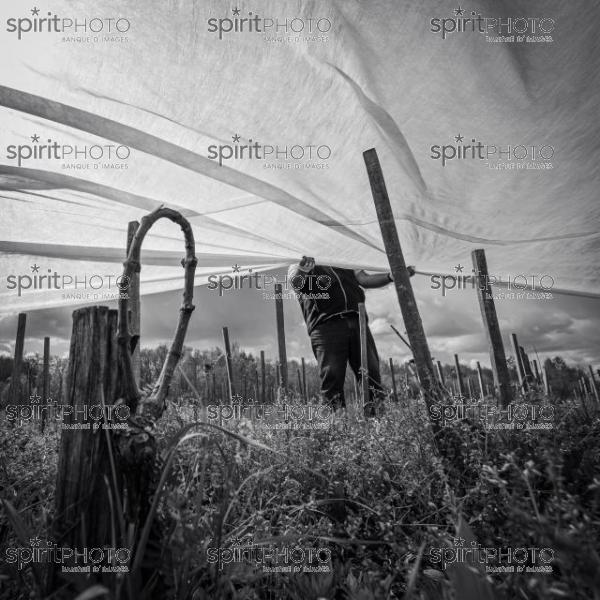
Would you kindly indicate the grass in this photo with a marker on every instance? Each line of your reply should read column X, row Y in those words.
column 371, row 494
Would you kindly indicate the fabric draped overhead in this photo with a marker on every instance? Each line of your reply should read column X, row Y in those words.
column 100, row 128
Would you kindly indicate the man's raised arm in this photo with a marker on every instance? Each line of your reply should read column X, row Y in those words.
column 377, row 280
column 306, row 265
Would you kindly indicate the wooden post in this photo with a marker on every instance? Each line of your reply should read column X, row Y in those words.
column 395, row 391
column 440, row 373
column 134, row 306
column 304, row 388
column 281, row 335
column 593, row 384
column 263, row 380
column 45, row 380
column 228, row 364
column 404, row 291
column 536, row 371
column 257, row 397
column 60, row 386
column 526, row 364
column 28, row 365
column 299, row 382
column 15, row 391
column 469, row 387
column 84, row 483
column 518, row 361
column 368, row 404
column 546, row 382
column 492, row 328
column 480, row 378
column 459, row 379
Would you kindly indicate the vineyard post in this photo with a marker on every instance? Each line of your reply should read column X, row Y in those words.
column 134, row 305
column 440, row 373
column 263, row 380
column 368, row 404
column 546, row 382
column 526, row 364
column 229, row 366
column 81, row 515
column 459, row 379
column 304, row 387
column 518, row 361
column 492, row 328
column 404, row 291
column 16, row 392
column 594, row 384
column 586, row 386
column 480, row 379
column 393, row 380
column 536, row 370
column 45, row 380
column 281, row 335
column 470, row 387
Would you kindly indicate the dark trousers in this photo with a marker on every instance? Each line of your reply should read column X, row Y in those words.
column 336, row 343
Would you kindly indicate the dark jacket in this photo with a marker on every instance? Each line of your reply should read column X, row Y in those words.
column 342, row 287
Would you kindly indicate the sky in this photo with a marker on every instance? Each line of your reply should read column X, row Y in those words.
column 563, row 325
column 134, row 128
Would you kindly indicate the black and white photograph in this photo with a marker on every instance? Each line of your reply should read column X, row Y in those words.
column 299, row 300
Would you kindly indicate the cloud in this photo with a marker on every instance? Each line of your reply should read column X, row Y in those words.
column 565, row 326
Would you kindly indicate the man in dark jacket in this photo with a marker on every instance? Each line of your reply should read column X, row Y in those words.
column 333, row 326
